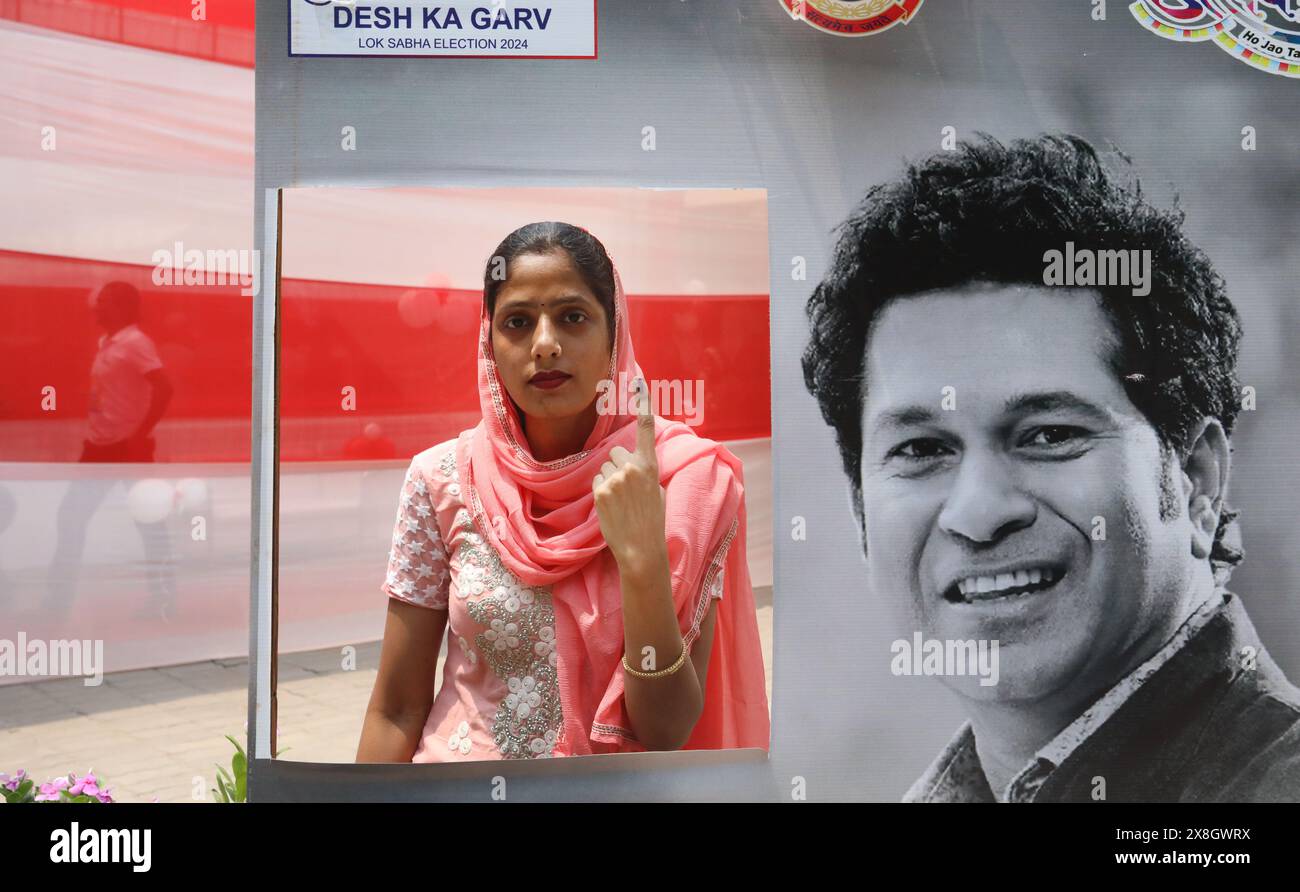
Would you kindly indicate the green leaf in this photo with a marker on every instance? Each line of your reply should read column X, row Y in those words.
column 240, row 765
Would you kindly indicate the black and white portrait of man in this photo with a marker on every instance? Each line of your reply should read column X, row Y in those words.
column 1037, row 442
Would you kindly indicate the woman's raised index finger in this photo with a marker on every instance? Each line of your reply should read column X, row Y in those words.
column 645, row 434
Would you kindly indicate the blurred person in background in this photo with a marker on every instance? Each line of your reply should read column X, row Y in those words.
column 129, row 393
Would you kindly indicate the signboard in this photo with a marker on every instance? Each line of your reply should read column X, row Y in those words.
column 534, row 29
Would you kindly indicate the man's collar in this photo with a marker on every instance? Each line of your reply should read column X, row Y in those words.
column 957, row 775
column 1087, row 724
column 125, row 329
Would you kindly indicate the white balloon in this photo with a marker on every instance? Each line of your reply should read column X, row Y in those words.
column 418, row 308
column 191, row 496
column 436, row 303
column 150, row 500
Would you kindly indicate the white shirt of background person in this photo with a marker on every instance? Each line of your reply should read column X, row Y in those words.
column 120, row 394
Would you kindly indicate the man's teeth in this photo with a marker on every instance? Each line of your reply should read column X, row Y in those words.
column 1002, row 581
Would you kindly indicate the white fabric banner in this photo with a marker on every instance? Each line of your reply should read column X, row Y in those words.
column 120, row 152
column 113, row 151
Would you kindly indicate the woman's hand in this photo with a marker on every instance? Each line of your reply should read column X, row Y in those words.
column 629, row 499
column 663, row 710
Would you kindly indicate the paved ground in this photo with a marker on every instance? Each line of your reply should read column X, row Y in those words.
column 160, row 732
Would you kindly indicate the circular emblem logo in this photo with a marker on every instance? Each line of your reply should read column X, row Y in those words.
column 1262, row 33
column 853, row 18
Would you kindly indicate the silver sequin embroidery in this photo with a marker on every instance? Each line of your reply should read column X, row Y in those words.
column 518, row 641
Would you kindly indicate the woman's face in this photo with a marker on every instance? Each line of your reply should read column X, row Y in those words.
column 550, row 337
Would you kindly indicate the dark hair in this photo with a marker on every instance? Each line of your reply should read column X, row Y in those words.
column 989, row 212
column 583, row 248
column 122, row 294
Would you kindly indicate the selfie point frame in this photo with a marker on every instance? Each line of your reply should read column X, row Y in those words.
column 727, row 774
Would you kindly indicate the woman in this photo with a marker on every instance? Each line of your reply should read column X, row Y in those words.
column 591, row 564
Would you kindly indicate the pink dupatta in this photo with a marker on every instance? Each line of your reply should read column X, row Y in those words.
column 546, row 532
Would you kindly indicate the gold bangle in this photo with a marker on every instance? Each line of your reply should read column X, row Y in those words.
column 681, row 661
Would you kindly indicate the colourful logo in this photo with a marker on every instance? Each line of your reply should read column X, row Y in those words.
column 853, row 18
column 1263, row 33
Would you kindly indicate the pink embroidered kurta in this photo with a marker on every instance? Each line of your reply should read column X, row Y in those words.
column 499, row 697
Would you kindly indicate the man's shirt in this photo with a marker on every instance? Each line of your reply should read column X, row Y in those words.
column 1209, row 717
column 120, row 394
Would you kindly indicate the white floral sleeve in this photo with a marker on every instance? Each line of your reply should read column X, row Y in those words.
column 417, row 562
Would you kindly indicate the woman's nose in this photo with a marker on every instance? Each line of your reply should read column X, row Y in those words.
column 546, row 341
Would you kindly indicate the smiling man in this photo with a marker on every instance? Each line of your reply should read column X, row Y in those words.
column 1046, row 468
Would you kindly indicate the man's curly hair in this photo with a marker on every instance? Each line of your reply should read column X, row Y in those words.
column 988, row 212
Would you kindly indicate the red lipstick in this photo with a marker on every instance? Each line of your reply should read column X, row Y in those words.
column 549, row 380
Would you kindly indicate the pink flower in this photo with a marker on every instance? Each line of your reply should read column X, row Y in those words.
column 12, row 783
column 50, row 790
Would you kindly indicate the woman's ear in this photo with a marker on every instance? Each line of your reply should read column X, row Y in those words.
column 1205, row 476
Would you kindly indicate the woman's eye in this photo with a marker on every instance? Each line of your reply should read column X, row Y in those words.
column 919, row 449
column 510, row 323
column 575, row 316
